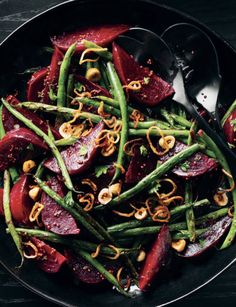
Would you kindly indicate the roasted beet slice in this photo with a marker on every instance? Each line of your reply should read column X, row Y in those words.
column 1, row 202
column 156, row 258
column 79, row 156
column 14, row 143
column 51, row 79
column 196, row 165
column 153, row 90
column 209, row 239
column 84, row 271
column 140, row 166
column 36, row 84
column 49, row 259
column 10, row 122
column 101, row 35
column 229, row 128
column 20, row 202
column 91, row 87
column 54, row 217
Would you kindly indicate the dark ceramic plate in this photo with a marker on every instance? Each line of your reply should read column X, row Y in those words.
column 22, row 50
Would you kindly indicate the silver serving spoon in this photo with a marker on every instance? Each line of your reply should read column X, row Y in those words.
column 144, row 44
column 197, row 57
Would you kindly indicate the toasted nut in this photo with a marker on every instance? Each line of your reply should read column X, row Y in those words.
column 141, row 213
column 93, row 74
column 179, row 245
column 168, row 140
column 141, row 256
column 28, row 166
column 115, row 189
column 34, row 193
column 104, row 196
column 221, row 199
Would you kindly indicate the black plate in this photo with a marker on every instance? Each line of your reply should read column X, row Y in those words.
column 20, row 51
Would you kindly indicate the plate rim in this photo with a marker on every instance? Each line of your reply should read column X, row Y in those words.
column 157, row 4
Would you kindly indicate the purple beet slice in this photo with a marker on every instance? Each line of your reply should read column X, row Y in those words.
column 92, row 87
column 14, row 143
column 36, row 84
column 52, row 76
column 10, row 122
column 20, row 202
column 208, row 239
column 229, row 128
column 101, row 35
column 153, row 90
column 84, row 271
column 49, row 259
column 198, row 164
column 54, row 217
column 140, row 166
column 79, row 156
column 156, row 258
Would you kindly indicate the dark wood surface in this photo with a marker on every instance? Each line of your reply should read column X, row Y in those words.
column 220, row 16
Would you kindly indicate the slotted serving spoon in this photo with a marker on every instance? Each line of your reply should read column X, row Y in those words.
column 197, row 57
column 144, row 44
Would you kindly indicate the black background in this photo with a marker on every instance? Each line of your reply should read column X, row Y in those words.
column 220, row 16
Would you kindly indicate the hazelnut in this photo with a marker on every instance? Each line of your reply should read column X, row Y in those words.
column 28, row 166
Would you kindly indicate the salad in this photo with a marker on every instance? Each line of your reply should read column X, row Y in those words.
column 103, row 174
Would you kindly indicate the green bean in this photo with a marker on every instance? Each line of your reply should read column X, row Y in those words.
column 119, row 95
column 167, row 116
column 107, row 108
column 173, row 212
column 143, row 132
column 212, row 216
column 8, row 217
column 185, row 234
column 190, row 219
column 38, row 106
column 228, row 112
column 181, row 120
column 63, row 75
column 70, row 88
column 154, row 175
column 192, row 132
column 43, row 135
column 52, row 237
column 102, row 52
column 104, row 76
column 224, row 164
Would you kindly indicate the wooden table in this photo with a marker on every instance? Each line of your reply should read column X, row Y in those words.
column 219, row 16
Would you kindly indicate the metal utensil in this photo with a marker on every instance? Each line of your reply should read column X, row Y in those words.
column 197, row 56
column 143, row 44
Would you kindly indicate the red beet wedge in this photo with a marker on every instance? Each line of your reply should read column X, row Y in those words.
column 35, row 85
column 101, row 35
column 54, row 217
column 153, row 89
column 84, row 271
column 156, row 258
column 14, row 143
column 196, row 165
column 91, row 87
column 209, row 239
column 79, row 156
column 20, row 202
column 10, row 122
column 140, row 165
column 49, row 259
column 52, row 76
column 229, row 128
